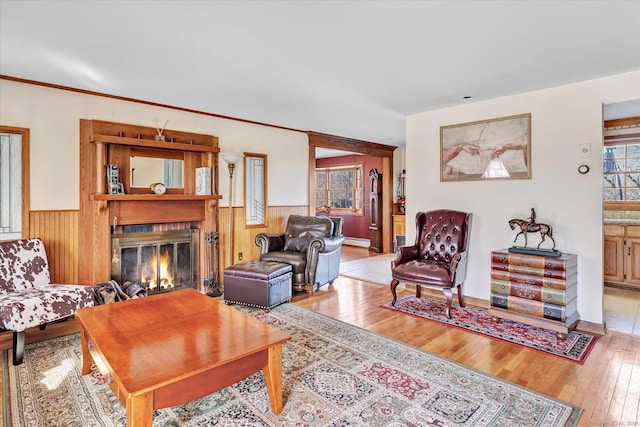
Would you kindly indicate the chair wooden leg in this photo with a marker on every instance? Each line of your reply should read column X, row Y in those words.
column 460, row 299
column 418, row 291
column 449, row 295
column 394, row 285
column 18, row 347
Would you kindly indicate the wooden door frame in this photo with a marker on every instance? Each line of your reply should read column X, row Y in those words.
column 321, row 140
column 26, row 193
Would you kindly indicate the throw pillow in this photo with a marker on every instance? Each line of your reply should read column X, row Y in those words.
column 300, row 243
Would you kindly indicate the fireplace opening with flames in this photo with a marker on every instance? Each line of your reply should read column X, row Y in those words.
column 159, row 261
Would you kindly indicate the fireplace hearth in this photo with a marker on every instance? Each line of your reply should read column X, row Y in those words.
column 160, row 261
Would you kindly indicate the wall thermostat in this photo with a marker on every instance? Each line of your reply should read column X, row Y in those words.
column 583, row 169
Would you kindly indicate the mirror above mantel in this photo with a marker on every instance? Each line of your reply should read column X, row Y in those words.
column 147, row 166
column 145, row 171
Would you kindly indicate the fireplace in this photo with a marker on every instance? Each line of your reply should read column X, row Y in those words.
column 160, row 261
column 102, row 215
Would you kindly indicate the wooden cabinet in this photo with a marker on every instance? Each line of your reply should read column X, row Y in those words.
column 399, row 225
column 613, row 253
column 535, row 290
column 622, row 255
column 632, row 255
column 399, row 228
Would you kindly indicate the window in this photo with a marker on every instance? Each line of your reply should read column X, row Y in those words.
column 255, row 188
column 340, row 188
column 621, row 166
column 11, row 185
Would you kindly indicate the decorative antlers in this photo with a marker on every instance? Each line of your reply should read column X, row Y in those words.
column 160, row 136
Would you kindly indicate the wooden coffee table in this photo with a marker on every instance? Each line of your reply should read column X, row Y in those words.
column 168, row 349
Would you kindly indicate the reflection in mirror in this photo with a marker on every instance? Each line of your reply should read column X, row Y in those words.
column 255, row 188
column 149, row 170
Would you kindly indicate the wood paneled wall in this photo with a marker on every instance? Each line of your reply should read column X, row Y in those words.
column 59, row 232
column 58, row 229
column 244, row 238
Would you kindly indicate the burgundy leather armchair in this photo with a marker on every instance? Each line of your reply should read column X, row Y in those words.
column 438, row 259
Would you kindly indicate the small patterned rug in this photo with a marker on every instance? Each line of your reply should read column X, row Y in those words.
column 576, row 347
column 334, row 374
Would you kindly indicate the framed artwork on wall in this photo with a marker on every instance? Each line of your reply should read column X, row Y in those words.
column 487, row 149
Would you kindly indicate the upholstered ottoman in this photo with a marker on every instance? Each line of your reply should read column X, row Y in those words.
column 263, row 284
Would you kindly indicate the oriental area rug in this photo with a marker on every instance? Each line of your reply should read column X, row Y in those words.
column 334, row 374
column 576, row 347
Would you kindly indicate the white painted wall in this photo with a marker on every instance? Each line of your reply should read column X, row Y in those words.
column 53, row 117
column 562, row 118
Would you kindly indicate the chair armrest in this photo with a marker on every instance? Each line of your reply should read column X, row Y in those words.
column 458, row 267
column 404, row 255
column 325, row 244
column 321, row 248
column 321, row 245
column 270, row 242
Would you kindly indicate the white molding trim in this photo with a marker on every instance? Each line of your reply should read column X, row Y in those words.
column 355, row 241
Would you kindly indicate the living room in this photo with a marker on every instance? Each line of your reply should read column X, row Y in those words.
column 576, row 214
column 564, row 117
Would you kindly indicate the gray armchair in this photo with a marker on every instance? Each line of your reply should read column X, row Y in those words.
column 311, row 245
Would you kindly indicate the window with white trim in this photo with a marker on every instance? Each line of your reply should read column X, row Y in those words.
column 340, row 188
column 621, row 167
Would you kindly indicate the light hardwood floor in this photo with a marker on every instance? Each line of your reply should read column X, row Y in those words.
column 622, row 310
column 607, row 386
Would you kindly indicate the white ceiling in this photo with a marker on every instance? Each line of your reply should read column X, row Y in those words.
column 347, row 68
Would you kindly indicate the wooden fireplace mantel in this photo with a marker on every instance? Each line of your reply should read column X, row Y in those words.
column 103, row 143
column 103, row 199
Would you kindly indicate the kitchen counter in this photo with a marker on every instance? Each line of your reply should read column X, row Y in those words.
column 622, row 221
column 627, row 217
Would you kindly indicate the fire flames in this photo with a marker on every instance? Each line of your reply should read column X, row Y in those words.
column 165, row 279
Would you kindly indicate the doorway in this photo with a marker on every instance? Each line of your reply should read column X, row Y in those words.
column 385, row 152
column 621, row 214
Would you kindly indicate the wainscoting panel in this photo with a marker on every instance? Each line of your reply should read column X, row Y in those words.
column 59, row 232
column 244, row 238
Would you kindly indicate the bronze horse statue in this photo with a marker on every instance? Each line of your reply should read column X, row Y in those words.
column 532, row 227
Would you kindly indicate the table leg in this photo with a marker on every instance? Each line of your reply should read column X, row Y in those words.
column 140, row 410
column 273, row 377
column 86, row 359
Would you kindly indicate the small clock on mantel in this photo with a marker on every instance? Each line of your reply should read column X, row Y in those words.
column 158, row 188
